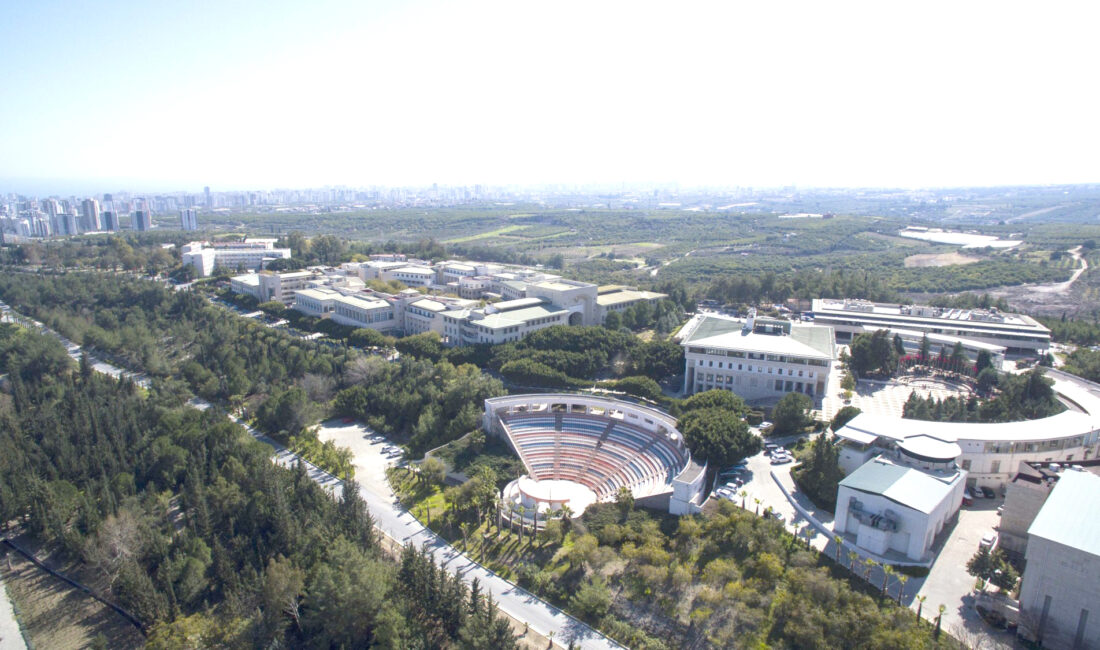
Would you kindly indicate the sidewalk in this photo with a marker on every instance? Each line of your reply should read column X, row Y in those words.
column 11, row 638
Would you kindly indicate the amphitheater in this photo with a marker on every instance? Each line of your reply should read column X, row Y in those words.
column 580, row 450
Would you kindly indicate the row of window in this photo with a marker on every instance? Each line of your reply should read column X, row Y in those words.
column 730, row 381
column 759, row 369
column 758, row 356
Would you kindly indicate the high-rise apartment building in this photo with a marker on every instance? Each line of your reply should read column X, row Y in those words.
column 189, row 219
column 110, row 219
column 90, row 211
column 142, row 221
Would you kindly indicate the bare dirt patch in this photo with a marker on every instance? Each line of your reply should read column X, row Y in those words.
column 938, row 259
column 55, row 614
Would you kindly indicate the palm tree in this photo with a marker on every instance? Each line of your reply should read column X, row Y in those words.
column 744, row 496
column 920, row 606
column 522, row 511
column 757, row 507
column 887, row 571
column 869, row 565
column 902, row 579
column 939, row 620
column 852, row 557
column 837, row 539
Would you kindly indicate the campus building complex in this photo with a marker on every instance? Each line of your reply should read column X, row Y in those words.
column 1017, row 333
column 760, row 359
column 990, row 451
column 248, row 254
column 521, row 300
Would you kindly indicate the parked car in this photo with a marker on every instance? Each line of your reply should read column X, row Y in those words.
column 781, row 459
column 989, row 540
column 968, row 498
column 988, row 492
column 778, row 516
column 765, row 425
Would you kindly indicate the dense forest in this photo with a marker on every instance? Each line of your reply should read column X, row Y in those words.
column 188, row 524
column 285, row 383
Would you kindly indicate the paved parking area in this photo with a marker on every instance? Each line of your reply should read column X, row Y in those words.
column 370, row 463
column 949, row 584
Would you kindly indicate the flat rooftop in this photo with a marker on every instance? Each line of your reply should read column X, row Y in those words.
column 518, row 316
column 318, row 293
column 964, row 317
column 362, row 303
column 249, row 278
column 866, row 427
column 806, row 341
column 621, row 295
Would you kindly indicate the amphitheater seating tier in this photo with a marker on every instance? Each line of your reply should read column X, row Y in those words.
column 588, row 451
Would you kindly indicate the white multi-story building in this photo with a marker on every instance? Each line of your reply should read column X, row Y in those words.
column 364, row 312
column 412, row 276
column 247, row 284
column 759, row 359
column 318, row 302
column 249, row 254
column 578, row 298
column 281, row 286
column 1060, row 594
column 990, row 451
column 1017, row 333
column 502, row 322
column 424, row 315
column 615, row 297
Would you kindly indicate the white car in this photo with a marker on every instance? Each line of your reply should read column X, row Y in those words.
column 781, row 459
column 989, row 540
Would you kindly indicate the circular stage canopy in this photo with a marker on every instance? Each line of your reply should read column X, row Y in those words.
column 551, row 494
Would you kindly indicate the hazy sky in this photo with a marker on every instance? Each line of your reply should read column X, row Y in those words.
column 177, row 95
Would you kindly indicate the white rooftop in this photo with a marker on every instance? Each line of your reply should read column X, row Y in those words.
column 1071, row 514
column 1055, row 427
column 912, row 488
column 362, row 303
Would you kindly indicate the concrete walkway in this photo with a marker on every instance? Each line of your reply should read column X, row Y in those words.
column 11, row 638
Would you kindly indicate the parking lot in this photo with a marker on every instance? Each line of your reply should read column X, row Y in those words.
column 949, row 584
column 370, row 457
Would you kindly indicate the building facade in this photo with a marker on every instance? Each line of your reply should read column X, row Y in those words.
column 362, row 312
column 1017, row 333
column 892, row 507
column 759, row 359
column 1060, row 593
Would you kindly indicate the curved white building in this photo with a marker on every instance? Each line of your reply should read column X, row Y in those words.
column 989, row 452
column 581, row 449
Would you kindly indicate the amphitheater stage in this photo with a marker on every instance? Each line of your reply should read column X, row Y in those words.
column 551, row 494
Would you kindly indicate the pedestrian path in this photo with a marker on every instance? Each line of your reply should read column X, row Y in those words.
column 11, row 638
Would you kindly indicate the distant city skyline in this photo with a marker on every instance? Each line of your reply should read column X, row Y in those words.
column 240, row 96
